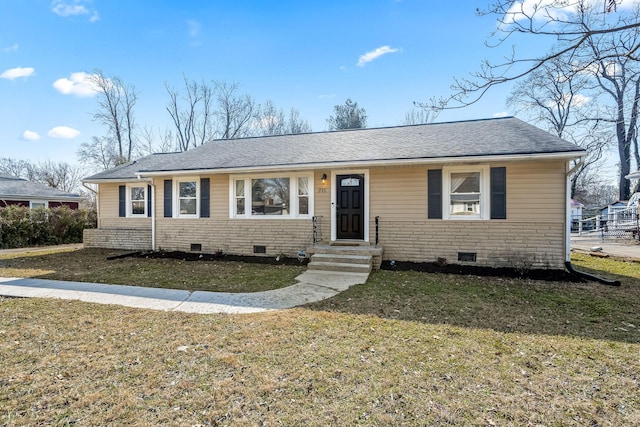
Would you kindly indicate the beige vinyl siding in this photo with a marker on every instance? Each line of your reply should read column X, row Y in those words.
column 322, row 194
column 398, row 193
column 536, row 191
column 531, row 236
column 109, row 208
column 108, row 200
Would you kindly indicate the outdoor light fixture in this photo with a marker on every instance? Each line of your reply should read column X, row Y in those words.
column 324, row 178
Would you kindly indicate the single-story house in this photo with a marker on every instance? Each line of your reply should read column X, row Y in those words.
column 486, row 192
column 20, row 192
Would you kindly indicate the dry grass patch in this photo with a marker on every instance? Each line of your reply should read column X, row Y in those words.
column 406, row 348
column 91, row 265
column 67, row 362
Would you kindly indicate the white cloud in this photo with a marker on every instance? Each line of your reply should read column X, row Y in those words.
column 375, row 54
column 13, row 48
column 74, row 8
column 79, row 84
column 29, row 135
column 15, row 73
column 63, row 132
column 194, row 28
column 501, row 114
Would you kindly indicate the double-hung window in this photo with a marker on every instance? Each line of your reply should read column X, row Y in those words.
column 137, row 200
column 187, row 200
column 303, row 195
column 272, row 196
column 466, row 192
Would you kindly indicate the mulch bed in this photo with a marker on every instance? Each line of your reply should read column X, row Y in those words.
column 552, row 275
column 195, row 256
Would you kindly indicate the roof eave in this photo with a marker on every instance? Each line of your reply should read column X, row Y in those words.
column 565, row 155
column 142, row 174
column 47, row 198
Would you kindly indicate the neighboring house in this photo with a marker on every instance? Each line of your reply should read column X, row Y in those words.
column 612, row 207
column 576, row 214
column 487, row 192
column 20, row 192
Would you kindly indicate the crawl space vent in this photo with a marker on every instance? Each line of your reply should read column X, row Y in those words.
column 196, row 247
column 258, row 249
column 467, row 256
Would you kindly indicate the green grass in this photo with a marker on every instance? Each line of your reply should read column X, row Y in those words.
column 91, row 265
column 405, row 348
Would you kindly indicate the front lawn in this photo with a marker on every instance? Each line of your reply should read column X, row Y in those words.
column 405, row 348
column 91, row 265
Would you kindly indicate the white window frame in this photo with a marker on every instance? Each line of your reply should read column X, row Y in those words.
column 130, row 201
column 45, row 202
column 293, row 195
column 485, row 196
column 176, row 198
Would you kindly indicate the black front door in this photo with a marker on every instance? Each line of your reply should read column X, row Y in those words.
column 350, row 207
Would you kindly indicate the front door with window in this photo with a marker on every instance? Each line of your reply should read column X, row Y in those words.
column 350, row 206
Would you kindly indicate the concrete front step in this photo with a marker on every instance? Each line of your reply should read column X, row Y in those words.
column 347, row 250
column 342, row 258
column 339, row 266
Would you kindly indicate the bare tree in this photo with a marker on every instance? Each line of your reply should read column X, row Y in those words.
column 347, row 116
column 100, row 152
column 17, row 168
column 557, row 99
column 191, row 113
column 234, row 112
column 271, row 120
column 617, row 76
column 419, row 116
column 297, row 124
column 151, row 141
column 60, row 175
column 116, row 101
column 569, row 24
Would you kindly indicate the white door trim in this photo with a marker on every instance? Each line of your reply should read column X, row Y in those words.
column 334, row 223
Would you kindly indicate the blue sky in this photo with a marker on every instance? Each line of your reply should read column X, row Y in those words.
column 310, row 55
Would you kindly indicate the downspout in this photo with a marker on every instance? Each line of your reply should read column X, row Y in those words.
column 567, row 231
column 153, row 216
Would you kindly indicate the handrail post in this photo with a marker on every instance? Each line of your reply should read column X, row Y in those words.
column 377, row 229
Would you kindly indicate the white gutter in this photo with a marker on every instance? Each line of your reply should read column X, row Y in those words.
column 153, row 216
column 567, row 215
column 364, row 163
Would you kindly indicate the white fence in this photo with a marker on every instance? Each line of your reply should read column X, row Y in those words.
column 621, row 222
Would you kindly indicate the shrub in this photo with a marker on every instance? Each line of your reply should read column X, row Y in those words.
column 22, row 227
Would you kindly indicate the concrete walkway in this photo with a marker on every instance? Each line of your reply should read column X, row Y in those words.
column 312, row 286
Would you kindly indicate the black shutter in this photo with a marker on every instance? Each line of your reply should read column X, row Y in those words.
column 434, row 188
column 499, row 193
column 204, row 198
column 168, row 201
column 149, row 202
column 122, row 201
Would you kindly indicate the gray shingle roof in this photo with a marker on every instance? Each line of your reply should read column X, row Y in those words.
column 479, row 138
column 128, row 171
column 12, row 188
